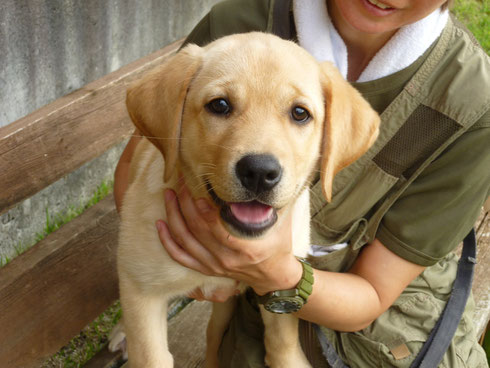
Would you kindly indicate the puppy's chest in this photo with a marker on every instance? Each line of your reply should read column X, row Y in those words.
column 301, row 225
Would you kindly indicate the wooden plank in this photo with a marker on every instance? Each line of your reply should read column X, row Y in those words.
column 486, row 206
column 49, row 293
column 105, row 359
column 44, row 146
column 481, row 282
column 187, row 335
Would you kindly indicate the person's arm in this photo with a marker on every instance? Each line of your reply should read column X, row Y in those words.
column 342, row 301
column 352, row 301
column 121, row 175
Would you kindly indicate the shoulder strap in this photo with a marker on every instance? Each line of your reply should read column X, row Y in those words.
column 442, row 334
column 328, row 351
column 282, row 24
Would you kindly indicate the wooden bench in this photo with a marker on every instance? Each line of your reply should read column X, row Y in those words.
column 49, row 293
column 52, row 291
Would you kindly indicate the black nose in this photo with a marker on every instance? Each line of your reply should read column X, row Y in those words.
column 258, row 173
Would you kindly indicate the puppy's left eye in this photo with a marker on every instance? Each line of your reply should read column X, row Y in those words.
column 219, row 106
column 300, row 114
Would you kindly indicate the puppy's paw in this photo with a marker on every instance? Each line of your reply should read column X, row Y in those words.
column 117, row 340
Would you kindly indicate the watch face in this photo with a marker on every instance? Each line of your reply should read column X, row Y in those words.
column 283, row 306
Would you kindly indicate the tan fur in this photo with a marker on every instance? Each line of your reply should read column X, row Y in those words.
column 264, row 78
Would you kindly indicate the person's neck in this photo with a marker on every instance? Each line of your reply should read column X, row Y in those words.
column 360, row 53
column 361, row 47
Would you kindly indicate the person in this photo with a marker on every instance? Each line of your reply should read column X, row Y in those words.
column 382, row 249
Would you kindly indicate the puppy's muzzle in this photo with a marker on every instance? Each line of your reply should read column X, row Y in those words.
column 258, row 173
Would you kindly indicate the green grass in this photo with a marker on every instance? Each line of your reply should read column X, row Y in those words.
column 475, row 14
column 56, row 220
column 88, row 343
column 19, row 249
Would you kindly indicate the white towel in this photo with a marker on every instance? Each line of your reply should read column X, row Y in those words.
column 318, row 36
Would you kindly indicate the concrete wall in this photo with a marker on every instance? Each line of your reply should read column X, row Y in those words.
column 52, row 47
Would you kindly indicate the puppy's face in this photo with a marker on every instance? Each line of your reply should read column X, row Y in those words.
column 247, row 119
column 251, row 129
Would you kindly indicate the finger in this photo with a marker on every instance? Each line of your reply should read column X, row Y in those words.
column 192, row 215
column 181, row 235
column 198, row 211
column 175, row 220
column 176, row 252
column 222, row 295
column 197, row 294
column 203, row 222
column 208, row 212
column 217, row 296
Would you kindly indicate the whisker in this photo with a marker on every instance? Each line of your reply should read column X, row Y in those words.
column 150, row 137
column 314, row 194
column 208, row 165
column 204, row 175
column 229, row 148
column 319, row 171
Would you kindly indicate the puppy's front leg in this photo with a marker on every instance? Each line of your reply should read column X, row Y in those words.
column 282, row 346
column 220, row 318
column 146, row 330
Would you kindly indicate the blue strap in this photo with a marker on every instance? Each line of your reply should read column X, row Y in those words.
column 333, row 359
column 442, row 334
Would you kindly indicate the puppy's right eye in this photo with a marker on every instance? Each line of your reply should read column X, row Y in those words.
column 219, row 106
column 300, row 115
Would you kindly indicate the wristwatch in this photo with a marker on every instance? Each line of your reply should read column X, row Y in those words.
column 292, row 300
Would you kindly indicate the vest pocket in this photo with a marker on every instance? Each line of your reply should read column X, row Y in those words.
column 345, row 218
column 354, row 197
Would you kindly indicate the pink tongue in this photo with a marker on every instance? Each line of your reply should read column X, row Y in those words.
column 251, row 212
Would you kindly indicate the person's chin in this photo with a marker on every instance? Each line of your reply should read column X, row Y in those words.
column 365, row 20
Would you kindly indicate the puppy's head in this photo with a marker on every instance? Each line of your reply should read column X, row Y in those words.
column 247, row 120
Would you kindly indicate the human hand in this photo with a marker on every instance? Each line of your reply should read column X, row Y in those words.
column 195, row 237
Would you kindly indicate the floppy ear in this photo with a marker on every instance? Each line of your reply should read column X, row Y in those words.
column 350, row 126
column 156, row 102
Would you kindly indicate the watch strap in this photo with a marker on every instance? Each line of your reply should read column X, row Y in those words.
column 305, row 285
column 303, row 289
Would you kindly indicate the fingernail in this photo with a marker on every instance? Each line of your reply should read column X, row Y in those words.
column 160, row 225
column 203, row 206
column 169, row 195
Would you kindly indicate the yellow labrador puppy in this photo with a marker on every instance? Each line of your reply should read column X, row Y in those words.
column 247, row 120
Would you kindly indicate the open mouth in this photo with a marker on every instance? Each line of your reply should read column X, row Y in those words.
column 250, row 218
column 379, row 4
column 378, row 8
